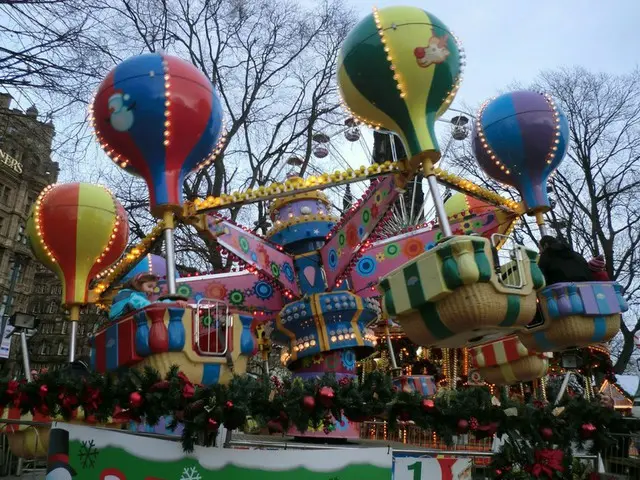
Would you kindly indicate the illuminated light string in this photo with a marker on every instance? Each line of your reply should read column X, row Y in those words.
column 556, row 140
column 38, row 222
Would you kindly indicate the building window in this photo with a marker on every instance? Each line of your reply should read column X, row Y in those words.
column 53, row 307
column 44, row 349
column 5, row 194
column 63, row 330
column 35, row 307
column 1, row 225
column 30, row 202
column 21, row 237
column 57, row 290
column 41, row 289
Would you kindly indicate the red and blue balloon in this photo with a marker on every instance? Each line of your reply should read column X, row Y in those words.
column 158, row 117
column 519, row 139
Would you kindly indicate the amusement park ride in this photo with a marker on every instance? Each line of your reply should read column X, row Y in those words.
column 315, row 283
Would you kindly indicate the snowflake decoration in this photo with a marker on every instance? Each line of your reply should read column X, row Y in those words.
column 88, row 453
column 190, row 473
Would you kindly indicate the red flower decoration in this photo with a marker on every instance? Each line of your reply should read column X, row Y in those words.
column 216, row 290
column 352, row 236
column 375, row 210
column 547, row 462
column 413, row 247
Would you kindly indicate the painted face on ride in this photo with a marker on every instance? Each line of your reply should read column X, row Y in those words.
column 399, row 69
column 158, row 117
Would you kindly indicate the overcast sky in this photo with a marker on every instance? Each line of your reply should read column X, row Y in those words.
column 513, row 40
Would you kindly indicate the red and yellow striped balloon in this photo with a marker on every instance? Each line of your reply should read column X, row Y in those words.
column 399, row 69
column 77, row 230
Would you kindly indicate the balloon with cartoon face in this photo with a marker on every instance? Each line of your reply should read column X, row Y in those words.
column 158, row 117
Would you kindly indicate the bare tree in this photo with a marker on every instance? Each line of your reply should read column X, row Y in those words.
column 596, row 188
column 273, row 64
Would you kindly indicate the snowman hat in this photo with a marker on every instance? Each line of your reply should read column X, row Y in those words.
column 59, row 451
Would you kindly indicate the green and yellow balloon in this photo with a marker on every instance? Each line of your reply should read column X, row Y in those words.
column 399, row 69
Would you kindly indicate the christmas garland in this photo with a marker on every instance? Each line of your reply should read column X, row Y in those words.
column 539, row 435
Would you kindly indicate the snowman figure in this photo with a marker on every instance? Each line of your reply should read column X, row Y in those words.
column 121, row 117
column 58, row 467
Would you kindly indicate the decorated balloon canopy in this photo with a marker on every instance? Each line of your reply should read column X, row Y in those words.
column 459, row 205
column 399, row 69
column 519, row 139
column 150, row 263
column 77, row 230
column 158, row 117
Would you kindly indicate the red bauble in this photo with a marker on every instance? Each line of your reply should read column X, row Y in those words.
column 326, row 396
column 229, row 405
column 473, row 423
column 463, row 426
column 44, row 390
column 135, row 400
column 308, row 403
column 212, row 425
column 428, row 405
column 546, row 433
column 274, row 426
column 587, row 430
column 43, row 409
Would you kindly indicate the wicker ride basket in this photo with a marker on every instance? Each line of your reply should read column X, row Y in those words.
column 576, row 315
column 451, row 295
column 522, row 370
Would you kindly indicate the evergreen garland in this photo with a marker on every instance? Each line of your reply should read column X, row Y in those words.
column 531, row 428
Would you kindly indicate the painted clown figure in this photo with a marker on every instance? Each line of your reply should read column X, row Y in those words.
column 58, row 467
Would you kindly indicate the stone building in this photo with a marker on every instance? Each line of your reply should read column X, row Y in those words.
column 25, row 285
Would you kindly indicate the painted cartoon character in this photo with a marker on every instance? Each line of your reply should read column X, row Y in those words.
column 436, row 52
column 121, row 117
column 58, row 467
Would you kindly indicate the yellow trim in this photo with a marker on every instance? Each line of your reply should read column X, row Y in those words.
column 354, row 322
column 321, row 325
column 281, row 328
column 281, row 202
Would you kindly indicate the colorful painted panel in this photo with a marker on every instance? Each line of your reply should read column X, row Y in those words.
column 255, row 251
column 242, row 291
column 86, row 453
column 391, row 253
column 347, row 237
column 587, row 298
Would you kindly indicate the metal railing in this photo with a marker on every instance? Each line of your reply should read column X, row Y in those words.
column 212, row 325
column 510, row 264
column 623, row 457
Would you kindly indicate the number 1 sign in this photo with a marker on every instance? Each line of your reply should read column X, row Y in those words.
column 429, row 468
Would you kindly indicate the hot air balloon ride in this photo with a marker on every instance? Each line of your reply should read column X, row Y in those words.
column 519, row 139
column 159, row 117
column 77, row 230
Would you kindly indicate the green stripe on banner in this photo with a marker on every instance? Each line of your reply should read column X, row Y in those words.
column 450, row 271
column 431, row 319
column 513, row 310
column 484, row 266
column 536, row 274
column 414, row 285
column 389, row 304
column 364, row 62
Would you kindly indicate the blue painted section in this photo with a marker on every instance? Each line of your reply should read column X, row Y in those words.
column 111, row 347
column 147, row 132
column 176, row 330
column 302, row 231
column 577, row 306
column 601, row 299
column 599, row 329
column 211, row 373
column 248, row 344
column 142, row 334
column 552, row 305
column 318, row 282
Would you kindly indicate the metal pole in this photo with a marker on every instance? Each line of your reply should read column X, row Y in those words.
column 74, row 317
column 542, row 226
column 25, row 355
column 171, row 254
column 392, row 354
column 443, row 220
column 563, row 387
